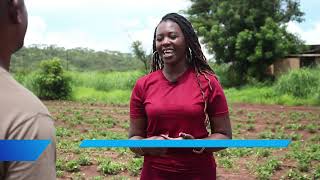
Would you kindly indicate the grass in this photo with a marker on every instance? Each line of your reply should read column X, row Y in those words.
column 266, row 95
column 109, row 97
column 116, row 87
column 105, row 81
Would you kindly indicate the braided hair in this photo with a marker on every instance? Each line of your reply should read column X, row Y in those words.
column 195, row 55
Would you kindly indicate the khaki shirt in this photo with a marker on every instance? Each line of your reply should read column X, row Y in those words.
column 23, row 116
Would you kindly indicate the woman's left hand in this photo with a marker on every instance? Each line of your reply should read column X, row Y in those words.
column 182, row 136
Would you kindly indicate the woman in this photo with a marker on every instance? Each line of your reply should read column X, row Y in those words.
column 177, row 100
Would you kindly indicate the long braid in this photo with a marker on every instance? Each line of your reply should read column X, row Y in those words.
column 197, row 58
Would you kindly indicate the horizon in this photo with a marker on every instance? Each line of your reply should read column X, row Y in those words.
column 89, row 27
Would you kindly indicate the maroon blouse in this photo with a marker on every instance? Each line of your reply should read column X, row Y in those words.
column 174, row 107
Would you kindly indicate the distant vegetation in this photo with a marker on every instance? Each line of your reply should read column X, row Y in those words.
column 78, row 59
column 299, row 87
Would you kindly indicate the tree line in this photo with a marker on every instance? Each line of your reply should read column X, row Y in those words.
column 77, row 59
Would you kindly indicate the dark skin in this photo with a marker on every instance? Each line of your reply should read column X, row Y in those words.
column 13, row 26
column 172, row 48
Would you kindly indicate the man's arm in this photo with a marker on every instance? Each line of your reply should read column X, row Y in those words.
column 38, row 127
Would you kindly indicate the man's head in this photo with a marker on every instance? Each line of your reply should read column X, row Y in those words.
column 13, row 26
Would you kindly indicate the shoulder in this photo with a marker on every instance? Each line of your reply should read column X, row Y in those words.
column 207, row 77
column 27, row 126
column 16, row 97
column 20, row 110
column 148, row 79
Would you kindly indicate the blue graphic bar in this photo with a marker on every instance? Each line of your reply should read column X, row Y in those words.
column 260, row 143
column 22, row 150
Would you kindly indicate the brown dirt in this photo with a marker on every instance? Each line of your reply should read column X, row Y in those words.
column 262, row 117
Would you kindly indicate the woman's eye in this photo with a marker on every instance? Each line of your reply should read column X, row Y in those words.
column 159, row 39
column 173, row 36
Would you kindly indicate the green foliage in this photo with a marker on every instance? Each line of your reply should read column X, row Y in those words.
column 110, row 167
column 84, row 160
column 227, row 75
column 250, row 34
column 105, row 81
column 118, row 97
column 72, row 166
column 225, row 162
column 141, row 54
column 135, row 166
column 265, row 171
column 296, row 175
column 50, row 82
column 299, row 83
column 77, row 59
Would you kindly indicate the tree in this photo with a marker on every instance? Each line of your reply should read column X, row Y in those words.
column 141, row 54
column 248, row 34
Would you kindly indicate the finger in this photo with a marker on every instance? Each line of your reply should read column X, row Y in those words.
column 165, row 136
column 186, row 136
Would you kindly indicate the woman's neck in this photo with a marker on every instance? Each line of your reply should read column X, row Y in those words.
column 173, row 71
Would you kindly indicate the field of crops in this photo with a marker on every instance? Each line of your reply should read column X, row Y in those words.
column 77, row 121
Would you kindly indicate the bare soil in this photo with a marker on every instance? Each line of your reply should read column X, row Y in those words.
column 249, row 121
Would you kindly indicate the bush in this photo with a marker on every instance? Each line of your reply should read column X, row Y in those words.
column 227, row 75
column 299, row 83
column 50, row 83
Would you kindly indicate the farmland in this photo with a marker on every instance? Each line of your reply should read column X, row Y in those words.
column 76, row 121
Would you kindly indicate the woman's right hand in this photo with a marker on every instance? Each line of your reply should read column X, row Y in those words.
column 154, row 151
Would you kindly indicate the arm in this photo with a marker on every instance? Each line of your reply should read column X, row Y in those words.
column 39, row 126
column 137, row 131
column 218, row 115
column 220, row 129
column 138, row 122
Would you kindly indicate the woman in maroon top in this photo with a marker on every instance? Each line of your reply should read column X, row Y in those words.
column 177, row 100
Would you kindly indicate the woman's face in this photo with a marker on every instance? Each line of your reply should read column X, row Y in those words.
column 170, row 42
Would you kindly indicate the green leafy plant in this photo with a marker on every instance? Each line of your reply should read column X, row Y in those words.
column 50, row 82
column 135, row 166
column 72, row 166
column 110, row 167
column 84, row 160
column 299, row 83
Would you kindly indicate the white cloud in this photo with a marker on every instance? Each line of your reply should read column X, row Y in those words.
column 36, row 30
column 310, row 35
column 97, row 24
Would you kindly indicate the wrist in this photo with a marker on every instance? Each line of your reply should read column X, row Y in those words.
column 140, row 151
column 198, row 150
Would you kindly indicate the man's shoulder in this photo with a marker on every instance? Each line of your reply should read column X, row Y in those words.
column 19, row 108
column 15, row 96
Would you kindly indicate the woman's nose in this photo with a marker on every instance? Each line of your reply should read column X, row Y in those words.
column 166, row 41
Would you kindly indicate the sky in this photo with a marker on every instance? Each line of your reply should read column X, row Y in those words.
column 115, row 24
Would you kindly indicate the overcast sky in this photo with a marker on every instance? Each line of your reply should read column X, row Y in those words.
column 115, row 24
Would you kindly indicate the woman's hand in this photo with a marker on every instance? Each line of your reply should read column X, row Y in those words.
column 182, row 136
column 154, row 151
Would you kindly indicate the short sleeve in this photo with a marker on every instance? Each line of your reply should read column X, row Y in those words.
column 137, row 108
column 217, row 103
column 39, row 126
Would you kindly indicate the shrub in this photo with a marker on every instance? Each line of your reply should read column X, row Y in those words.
column 50, row 83
column 227, row 75
column 299, row 83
